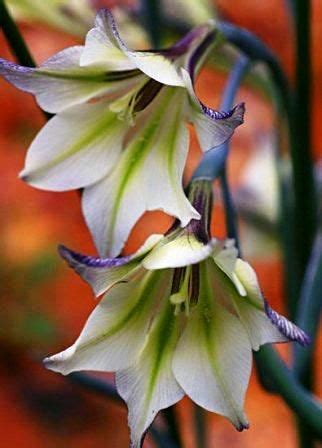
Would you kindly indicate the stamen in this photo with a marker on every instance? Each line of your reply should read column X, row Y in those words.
column 146, row 94
column 185, row 288
column 194, row 284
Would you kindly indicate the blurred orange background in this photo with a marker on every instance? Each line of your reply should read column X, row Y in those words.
column 44, row 304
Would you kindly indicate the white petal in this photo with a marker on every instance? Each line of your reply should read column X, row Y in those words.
column 212, row 362
column 248, row 307
column 148, row 177
column 101, row 48
column 149, row 385
column 116, row 330
column 61, row 83
column 155, row 65
column 102, row 274
column 213, row 127
column 183, row 250
column 226, row 260
column 75, row 148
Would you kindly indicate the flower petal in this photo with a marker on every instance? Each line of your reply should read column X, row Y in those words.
column 75, row 148
column 291, row 331
column 149, row 385
column 60, row 82
column 102, row 274
column 157, row 151
column 212, row 362
column 226, row 260
column 116, row 330
column 181, row 251
column 267, row 324
column 213, row 127
column 154, row 65
column 102, row 49
column 248, row 307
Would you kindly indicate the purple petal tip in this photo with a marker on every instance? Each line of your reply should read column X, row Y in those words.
column 79, row 261
column 287, row 328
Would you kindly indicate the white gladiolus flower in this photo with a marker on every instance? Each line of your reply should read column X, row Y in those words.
column 120, row 130
column 181, row 316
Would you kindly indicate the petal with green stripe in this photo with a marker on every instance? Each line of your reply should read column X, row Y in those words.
column 154, row 64
column 212, row 362
column 102, row 273
column 149, row 385
column 249, row 307
column 75, row 148
column 148, row 176
column 60, row 82
column 116, row 330
column 101, row 49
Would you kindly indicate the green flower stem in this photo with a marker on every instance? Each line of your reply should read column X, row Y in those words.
column 310, row 306
column 200, row 427
column 307, row 408
column 14, row 38
column 308, row 313
column 305, row 195
column 309, row 309
column 231, row 215
column 252, row 47
column 151, row 16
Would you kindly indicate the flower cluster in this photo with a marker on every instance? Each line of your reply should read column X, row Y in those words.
column 183, row 314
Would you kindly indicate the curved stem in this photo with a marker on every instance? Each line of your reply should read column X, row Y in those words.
column 231, row 215
column 309, row 310
column 294, row 394
column 199, row 418
column 14, row 38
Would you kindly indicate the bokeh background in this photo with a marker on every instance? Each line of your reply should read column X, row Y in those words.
column 44, row 304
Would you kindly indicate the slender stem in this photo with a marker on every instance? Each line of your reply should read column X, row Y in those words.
column 309, row 312
column 231, row 215
column 294, row 394
column 305, row 206
column 14, row 38
column 256, row 50
column 200, row 426
column 305, row 202
column 151, row 14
